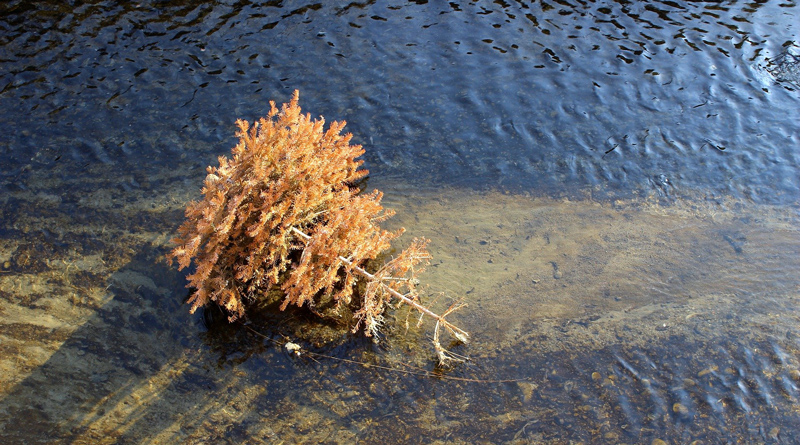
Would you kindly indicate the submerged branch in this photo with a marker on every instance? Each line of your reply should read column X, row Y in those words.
column 458, row 333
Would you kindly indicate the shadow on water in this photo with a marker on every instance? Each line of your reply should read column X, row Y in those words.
column 141, row 368
column 113, row 359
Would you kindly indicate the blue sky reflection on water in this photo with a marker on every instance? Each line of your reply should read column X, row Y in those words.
column 658, row 302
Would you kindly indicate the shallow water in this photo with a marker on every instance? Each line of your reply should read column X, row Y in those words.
column 611, row 187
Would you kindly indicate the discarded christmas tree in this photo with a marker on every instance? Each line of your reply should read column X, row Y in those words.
column 284, row 212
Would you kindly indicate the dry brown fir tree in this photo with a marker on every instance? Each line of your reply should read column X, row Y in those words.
column 283, row 212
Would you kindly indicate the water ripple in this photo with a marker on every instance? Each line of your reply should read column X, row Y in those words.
column 558, row 97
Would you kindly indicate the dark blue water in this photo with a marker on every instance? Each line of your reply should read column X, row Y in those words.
column 614, row 98
column 688, row 325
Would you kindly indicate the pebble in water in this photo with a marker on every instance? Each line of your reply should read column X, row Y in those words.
column 680, row 409
column 708, row 370
column 556, row 273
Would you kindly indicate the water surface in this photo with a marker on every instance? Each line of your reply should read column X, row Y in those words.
column 611, row 187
